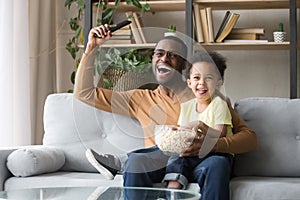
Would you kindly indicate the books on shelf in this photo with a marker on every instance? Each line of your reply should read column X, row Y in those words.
column 121, row 36
column 198, row 24
column 243, row 41
column 226, row 26
column 246, row 33
column 210, row 24
column 260, row 31
column 136, row 27
column 203, row 24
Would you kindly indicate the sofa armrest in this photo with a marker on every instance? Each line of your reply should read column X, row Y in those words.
column 4, row 172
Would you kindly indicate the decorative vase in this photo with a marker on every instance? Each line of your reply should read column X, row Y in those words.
column 280, row 36
column 170, row 34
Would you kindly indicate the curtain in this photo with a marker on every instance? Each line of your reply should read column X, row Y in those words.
column 14, row 74
column 42, row 40
column 34, row 64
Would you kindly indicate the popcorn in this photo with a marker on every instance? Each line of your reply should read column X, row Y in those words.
column 172, row 139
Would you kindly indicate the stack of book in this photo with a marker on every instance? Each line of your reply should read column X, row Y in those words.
column 136, row 27
column 245, row 35
column 121, row 36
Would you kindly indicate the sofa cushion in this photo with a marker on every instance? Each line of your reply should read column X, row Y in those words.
column 276, row 122
column 262, row 188
column 61, row 179
column 74, row 126
column 35, row 160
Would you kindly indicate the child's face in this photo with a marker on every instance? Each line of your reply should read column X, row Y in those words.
column 204, row 80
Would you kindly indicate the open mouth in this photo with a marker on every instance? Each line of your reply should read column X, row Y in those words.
column 164, row 69
column 202, row 91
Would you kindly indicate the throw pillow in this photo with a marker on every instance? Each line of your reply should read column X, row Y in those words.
column 35, row 160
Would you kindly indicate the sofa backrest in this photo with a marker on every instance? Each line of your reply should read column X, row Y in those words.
column 276, row 122
column 74, row 126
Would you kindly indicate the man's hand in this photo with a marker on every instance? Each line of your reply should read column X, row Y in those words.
column 102, row 32
column 204, row 142
column 194, row 149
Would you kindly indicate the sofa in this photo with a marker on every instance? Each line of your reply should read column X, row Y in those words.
column 272, row 171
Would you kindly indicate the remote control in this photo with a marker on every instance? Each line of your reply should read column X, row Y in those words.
column 115, row 27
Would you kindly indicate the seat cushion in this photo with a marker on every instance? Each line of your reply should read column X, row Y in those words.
column 61, row 179
column 276, row 122
column 262, row 188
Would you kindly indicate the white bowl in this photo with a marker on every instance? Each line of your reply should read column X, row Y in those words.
column 172, row 139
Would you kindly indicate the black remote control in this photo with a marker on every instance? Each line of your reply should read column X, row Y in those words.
column 115, row 27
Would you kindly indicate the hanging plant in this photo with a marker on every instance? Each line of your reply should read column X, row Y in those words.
column 106, row 18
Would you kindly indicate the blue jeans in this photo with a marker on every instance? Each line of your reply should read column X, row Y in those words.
column 147, row 166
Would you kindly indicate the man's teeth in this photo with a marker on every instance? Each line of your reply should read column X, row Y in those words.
column 163, row 69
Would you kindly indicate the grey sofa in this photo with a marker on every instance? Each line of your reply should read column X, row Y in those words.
column 270, row 172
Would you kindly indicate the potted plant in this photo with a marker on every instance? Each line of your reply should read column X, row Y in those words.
column 171, row 30
column 124, row 69
column 76, row 24
column 280, row 35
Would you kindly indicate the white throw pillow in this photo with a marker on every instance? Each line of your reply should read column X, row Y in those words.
column 35, row 160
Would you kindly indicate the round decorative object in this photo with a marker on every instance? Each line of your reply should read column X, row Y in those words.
column 280, row 36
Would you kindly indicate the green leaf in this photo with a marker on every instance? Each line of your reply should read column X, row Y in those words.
column 137, row 3
column 128, row 2
column 107, row 16
column 147, row 7
column 68, row 3
column 80, row 4
column 78, row 31
column 107, row 83
column 117, row 3
column 73, row 75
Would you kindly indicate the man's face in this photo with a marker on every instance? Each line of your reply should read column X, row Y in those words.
column 166, row 60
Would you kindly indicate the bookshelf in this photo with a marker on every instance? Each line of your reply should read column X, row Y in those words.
column 289, row 5
column 155, row 6
column 187, row 6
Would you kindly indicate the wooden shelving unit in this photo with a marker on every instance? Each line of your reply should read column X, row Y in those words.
column 247, row 46
column 187, row 6
column 289, row 5
column 156, row 6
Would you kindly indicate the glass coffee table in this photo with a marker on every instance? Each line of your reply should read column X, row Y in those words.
column 99, row 193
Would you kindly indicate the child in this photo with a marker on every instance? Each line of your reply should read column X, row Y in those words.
column 205, row 77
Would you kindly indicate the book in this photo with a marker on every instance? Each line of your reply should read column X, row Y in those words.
column 244, row 41
column 243, row 36
column 246, row 33
column 198, row 26
column 223, row 22
column 232, row 19
column 140, row 26
column 260, row 31
column 134, row 29
column 204, row 24
column 121, row 36
column 210, row 24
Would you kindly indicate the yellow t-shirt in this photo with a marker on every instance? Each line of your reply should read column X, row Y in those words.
column 216, row 113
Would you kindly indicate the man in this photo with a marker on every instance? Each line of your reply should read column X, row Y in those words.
column 153, row 107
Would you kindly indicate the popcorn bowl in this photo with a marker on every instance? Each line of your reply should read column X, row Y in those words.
column 172, row 139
